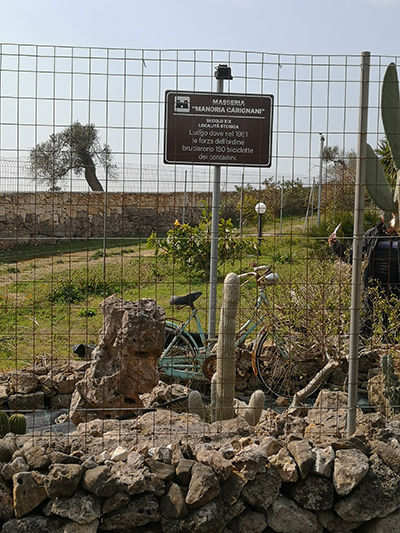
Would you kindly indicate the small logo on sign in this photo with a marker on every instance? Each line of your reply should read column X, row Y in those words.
column 182, row 104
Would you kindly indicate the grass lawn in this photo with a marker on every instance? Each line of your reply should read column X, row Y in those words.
column 50, row 295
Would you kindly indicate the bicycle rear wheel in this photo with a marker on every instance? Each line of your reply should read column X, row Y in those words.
column 179, row 362
column 280, row 372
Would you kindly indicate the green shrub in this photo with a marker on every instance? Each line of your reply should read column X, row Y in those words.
column 189, row 246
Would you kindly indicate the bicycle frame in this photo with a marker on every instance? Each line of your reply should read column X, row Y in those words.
column 185, row 368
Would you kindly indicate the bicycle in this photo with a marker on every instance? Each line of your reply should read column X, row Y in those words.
column 190, row 357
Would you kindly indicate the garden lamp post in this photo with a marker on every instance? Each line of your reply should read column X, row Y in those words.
column 260, row 210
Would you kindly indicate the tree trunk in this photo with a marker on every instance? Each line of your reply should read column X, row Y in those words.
column 90, row 175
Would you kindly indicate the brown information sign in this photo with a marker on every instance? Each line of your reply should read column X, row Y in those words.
column 218, row 129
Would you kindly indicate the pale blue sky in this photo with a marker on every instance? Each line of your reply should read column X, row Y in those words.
column 281, row 26
column 29, row 113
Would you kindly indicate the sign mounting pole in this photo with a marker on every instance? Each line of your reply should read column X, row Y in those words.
column 222, row 72
column 216, row 129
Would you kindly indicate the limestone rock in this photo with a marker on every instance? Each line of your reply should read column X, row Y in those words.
column 81, row 508
column 119, row 454
column 314, row 493
column 263, row 490
column 6, row 502
column 27, row 494
column 183, row 471
column 335, row 524
column 389, row 453
column 23, row 383
column 36, row 458
column 6, row 450
column 63, row 480
column 249, row 521
column 286, row 516
column 164, row 471
column 135, row 459
column 250, row 460
column 14, row 467
column 285, row 465
column 136, row 513
column 231, row 489
column 172, row 504
column 383, row 484
column 135, row 481
column 350, row 468
column 125, row 362
column 35, row 524
column 324, row 459
column 211, row 518
column 27, row 402
column 100, row 481
column 203, row 486
column 302, row 454
column 213, row 458
column 270, row 446
column 388, row 524
column 120, row 499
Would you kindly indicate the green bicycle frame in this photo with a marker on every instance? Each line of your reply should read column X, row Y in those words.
column 190, row 368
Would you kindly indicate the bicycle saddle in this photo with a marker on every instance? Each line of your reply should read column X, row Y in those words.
column 185, row 300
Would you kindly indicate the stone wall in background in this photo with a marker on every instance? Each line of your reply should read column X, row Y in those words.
column 46, row 216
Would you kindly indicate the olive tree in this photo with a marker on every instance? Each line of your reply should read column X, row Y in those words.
column 77, row 148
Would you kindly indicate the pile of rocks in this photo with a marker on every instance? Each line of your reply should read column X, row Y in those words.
column 167, row 472
column 41, row 386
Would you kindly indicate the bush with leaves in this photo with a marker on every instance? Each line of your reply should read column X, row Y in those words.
column 189, row 246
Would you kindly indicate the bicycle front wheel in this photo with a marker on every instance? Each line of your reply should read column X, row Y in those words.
column 279, row 371
column 179, row 362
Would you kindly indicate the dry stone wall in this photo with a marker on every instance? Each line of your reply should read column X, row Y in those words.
column 30, row 217
column 168, row 472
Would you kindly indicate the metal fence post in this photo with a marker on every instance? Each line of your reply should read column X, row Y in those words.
column 357, row 245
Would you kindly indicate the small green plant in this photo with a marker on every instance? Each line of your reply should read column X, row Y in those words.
column 17, row 423
column 79, row 285
column 90, row 311
column 189, row 246
column 12, row 270
column 97, row 255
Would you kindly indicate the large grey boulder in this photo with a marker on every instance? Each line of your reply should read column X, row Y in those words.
column 138, row 512
column 377, row 495
column 285, row 516
column 125, row 362
column 350, row 468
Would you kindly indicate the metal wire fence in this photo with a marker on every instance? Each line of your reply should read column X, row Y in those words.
column 66, row 249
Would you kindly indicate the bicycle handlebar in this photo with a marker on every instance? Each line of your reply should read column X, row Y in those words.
column 255, row 271
column 268, row 277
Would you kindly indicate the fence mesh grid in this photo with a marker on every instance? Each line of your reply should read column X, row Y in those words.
column 146, row 235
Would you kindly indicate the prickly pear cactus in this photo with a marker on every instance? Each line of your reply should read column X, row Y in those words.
column 17, row 424
column 376, row 182
column 4, row 424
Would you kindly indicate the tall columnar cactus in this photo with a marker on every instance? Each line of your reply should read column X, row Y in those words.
column 223, row 383
column 254, row 409
column 195, row 404
column 4, row 424
column 17, row 424
column 379, row 188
